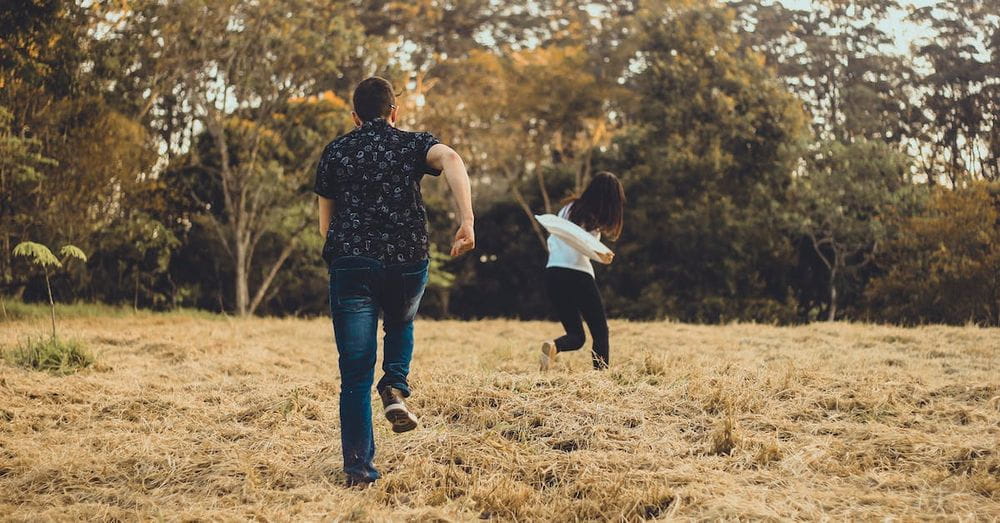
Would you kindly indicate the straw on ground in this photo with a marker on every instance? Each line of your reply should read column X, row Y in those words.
column 195, row 418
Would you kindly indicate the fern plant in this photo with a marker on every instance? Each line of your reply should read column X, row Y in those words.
column 41, row 256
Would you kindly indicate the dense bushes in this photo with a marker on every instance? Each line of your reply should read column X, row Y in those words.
column 944, row 264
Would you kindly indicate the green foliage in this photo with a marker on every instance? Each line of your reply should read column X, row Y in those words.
column 705, row 172
column 19, row 157
column 72, row 251
column 939, row 103
column 840, row 203
column 136, row 253
column 55, row 356
column 264, row 119
column 20, row 311
column 38, row 254
column 439, row 277
column 41, row 256
column 943, row 265
column 830, row 55
column 960, row 104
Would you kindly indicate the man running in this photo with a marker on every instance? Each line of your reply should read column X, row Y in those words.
column 375, row 224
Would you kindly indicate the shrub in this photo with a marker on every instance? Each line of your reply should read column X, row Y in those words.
column 42, row 257
column 60, row 357
column 944, row 265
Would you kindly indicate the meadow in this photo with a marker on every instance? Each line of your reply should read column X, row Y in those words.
column 196, row 417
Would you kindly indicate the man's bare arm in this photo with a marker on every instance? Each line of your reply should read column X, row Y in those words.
column 450, row 163
column 325, row 214
column 445, row 158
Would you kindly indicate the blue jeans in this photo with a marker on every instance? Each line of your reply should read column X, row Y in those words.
column 360, row 288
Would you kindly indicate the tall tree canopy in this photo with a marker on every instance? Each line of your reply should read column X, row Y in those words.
column 781, row 163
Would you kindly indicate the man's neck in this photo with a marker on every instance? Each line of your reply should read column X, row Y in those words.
column 377, row 121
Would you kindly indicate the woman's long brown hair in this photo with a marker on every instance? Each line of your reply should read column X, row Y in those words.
column 601, row 206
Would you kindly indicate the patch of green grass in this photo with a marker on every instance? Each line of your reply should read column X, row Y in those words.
column 52, row 355
column 18, row 310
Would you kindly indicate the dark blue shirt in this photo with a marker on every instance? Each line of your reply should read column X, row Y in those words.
column 373, row 175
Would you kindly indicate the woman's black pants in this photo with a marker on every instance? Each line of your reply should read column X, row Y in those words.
column 574, row 294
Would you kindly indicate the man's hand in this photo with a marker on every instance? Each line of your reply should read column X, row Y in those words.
column 465, row 240
column 442, row 157
column 606, row 257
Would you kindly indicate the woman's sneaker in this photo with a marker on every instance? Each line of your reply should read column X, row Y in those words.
column 548, row 358
column 395, row 410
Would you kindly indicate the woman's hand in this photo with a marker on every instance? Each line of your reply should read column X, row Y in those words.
column 606, row 257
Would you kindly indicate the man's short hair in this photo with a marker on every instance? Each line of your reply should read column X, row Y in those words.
column 373, row 98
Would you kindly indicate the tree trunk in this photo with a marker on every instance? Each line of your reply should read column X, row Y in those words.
column 831, row 265
column 444, row 295
column 173, row 292
column 6, row 275
column 531, row 216
column 583, row 172
column 264, row 285
column 242, row 283
column 831, row 312
column 542, row 189
column 52, row 304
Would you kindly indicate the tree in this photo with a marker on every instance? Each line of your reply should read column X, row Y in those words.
column 832, row 55
column 960, row 95
column 132, row 255
column 839, row 205
column 20, row 169
column 706, row 164
column 550, row 105
column 235, row 67
column 943, row 264
column 41, row 256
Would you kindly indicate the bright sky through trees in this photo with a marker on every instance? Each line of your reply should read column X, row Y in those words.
column 905, row 32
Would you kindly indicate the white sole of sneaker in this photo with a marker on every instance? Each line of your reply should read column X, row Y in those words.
column 548, row 357
column 402, row 420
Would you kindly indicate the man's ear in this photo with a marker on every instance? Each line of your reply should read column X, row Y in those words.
column 357, row 119
column 393, row 114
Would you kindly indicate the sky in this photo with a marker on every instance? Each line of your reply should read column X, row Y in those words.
column 904, row 32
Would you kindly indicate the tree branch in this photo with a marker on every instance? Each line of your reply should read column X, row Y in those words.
column 216, row 226
column 819, row 253
column 542, row 189
column 531, row 216
column 285, row 253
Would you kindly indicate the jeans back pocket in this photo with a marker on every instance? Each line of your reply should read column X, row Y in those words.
column 351, row 288
column 412, row 286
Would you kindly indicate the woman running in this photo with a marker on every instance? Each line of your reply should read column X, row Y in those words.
column 569, row 275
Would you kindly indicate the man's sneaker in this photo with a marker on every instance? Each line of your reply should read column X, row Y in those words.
column 358, row 483
column 395, row 410
column 548, row 357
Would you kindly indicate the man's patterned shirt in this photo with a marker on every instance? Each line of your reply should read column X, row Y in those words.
column 373, row 175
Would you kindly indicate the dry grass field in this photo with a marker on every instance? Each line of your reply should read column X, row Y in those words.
column 187, row 418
